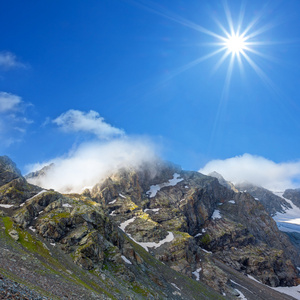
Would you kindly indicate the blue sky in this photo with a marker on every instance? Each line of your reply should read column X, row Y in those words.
column 73, row 72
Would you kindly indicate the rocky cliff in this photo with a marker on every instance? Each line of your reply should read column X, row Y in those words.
column 156, row 232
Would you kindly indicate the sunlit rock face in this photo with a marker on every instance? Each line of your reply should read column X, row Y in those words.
column 203, row 215
column 184, row 219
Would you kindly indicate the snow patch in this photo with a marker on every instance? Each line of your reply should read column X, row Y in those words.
column 231, row 201
column 52, row 244
column 127, row 261
column 154, row 189
column 6, row 205
column 241, row 295
column 175, row 286
column 206, row 251
column 256, row 199
column 186, row 187
column 122, row 196
column 169, row 238
column 41, row 192
column 153, row 209
column 126, row 223
column 112, row 213
column 197, row 274
column 146, row 245
column 251, row 277
column 112, row 202
column 216, row 215
column 293, row 291
column 198, row 234
column 67, row 205
column 31, row 228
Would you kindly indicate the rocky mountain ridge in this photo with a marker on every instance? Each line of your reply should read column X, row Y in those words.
column 181, row 229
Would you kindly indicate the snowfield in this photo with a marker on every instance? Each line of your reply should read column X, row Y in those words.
column 154, row 189
column 146, row 245
column 216, row 215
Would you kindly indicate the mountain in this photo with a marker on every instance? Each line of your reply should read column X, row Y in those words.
column 139, row 234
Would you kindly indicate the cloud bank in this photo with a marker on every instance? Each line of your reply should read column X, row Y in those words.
column 257, row 170
column 78, row 121
column 92, row 162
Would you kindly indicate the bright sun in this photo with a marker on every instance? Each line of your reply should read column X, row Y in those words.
column 235, row 43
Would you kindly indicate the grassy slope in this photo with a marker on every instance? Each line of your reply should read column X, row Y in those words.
column 51, row 272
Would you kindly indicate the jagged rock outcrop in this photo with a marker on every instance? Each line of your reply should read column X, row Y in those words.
column 241, row 231
column 40, row 173
column 272, row 203
column 222, row 181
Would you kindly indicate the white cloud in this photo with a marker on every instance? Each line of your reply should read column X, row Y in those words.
column 76, row 121
column 14, row 122
column 257, row 170
column 92, row 162
column 8, row 61
column 9, row 102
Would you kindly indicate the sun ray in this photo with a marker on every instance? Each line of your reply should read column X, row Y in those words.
column 222, row 28
column 259, row 71
column 261, row 30
column 228, row 77
column 178, row 19
column 193, row 63
column 254, row 21
column 267, row 57
column 220, row 62
column 228, row 16
column 241, row 17
column 240, row 63
column 236, row 41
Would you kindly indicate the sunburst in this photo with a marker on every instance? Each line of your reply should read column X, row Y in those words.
column 237, row 45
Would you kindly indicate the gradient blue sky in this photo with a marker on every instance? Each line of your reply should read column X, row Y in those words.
column 129, row 62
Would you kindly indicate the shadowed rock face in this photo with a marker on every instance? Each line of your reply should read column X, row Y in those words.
column 270, row 201
column 8, row 170
column 184, row 219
